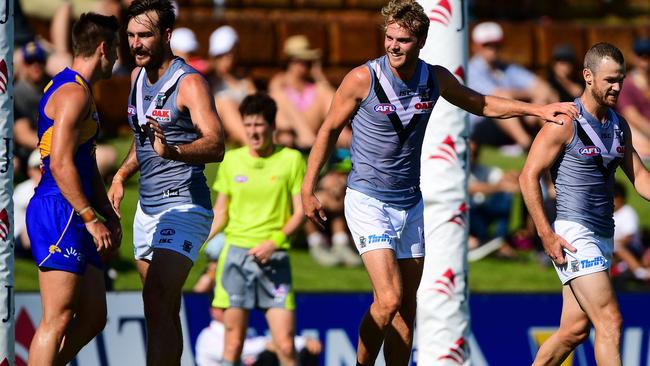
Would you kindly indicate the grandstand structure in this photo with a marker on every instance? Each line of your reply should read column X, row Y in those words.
column 349, row 32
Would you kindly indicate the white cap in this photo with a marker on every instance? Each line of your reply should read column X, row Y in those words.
column 183, row 40
column 34, row 160
column 487, row 32
column 222, row 40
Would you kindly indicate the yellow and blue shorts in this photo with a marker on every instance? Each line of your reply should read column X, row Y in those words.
column 58, row 236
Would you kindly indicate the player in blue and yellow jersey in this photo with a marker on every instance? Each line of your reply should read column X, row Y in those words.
column 68, row 238
column 582, row 156
column 176, row 132
column 389, row 101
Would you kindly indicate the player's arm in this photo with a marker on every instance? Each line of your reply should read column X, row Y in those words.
column 493, row 106
column 546, row 147
column 70, row 106
column 128, row 167
column 353, row 90
column 104, row 207
column 194, row 95
column 633, row 166
column 220, row 211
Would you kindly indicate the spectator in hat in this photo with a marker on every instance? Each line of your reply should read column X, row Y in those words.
column 302, row 91
column 488, row 74
column 563, row 73
column 184, row 45
column 634, row 100
column 31, row 79
column 229, row 85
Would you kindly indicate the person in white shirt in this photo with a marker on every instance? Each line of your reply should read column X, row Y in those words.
column 210, row 343
column 627, row 242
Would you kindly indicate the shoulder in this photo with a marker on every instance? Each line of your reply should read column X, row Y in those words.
column 134, row 75
column 71, row 92
column 290, row 154
column 357, row 81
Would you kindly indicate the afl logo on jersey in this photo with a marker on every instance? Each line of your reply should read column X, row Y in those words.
column 385, row 108
column 131, row 110
column 589, row 151
column 241, row 179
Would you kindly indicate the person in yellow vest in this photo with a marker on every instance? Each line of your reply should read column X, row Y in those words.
column 258, row 207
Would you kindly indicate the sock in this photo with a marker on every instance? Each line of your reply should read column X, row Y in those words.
column 316, row 239
column 340, row 238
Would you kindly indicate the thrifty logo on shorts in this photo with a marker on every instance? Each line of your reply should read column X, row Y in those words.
column 373, row 239
column 599, row 261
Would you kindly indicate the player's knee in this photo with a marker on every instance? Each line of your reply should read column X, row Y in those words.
column 611, row 324
column 58, row 322
column 389, row 303
column 285, row 347
column 576, row 334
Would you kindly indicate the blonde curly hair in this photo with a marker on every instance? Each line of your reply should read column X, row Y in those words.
column 407, row 14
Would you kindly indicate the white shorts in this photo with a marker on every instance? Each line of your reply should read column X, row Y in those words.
column 594, row 253
column 378, row 225
column 182, row 229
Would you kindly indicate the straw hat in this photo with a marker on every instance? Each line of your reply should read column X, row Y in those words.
column 298, row 47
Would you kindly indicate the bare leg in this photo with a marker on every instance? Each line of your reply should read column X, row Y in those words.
column 164, row 281
column 574, row 329
column 283, row 328
column 589, row 297
column 387, row 290
column 235, row 321
column 90, row 315
column 596, row 296
column 399, row 337
column 59, row 292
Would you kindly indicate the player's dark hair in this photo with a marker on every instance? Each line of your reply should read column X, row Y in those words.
column 164, row 9
column 599, row 51
column 92, row 29
column 262, row 104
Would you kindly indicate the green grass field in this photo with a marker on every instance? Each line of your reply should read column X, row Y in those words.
column 487, row 275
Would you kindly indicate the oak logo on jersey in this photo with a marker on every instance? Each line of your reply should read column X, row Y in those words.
column 589, row 151
column 162, row 115
column 385, row 108
column 424, row 106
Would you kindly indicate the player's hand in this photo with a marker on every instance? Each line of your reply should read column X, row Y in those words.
column 101, row 236
column 552, row 112
column 554, row 246
column 261, row 253
column 314, row 210
column 158, row 139
column 115, row 195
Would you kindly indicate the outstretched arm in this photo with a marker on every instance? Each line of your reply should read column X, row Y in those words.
column 496, row 107
column 353, row 90
column 633, row 166
column 546, row 147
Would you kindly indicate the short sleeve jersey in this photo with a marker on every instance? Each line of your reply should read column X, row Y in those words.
column 260, row 192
